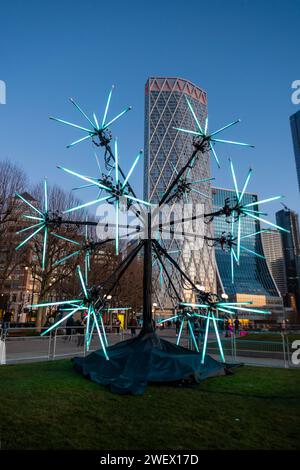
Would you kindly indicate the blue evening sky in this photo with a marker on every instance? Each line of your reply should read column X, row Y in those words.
column 245, row 54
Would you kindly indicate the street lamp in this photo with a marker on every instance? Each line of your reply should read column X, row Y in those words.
column 224, row 296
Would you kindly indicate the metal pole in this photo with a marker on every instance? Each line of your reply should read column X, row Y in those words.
column 49, row 345
column 54, row 345
column 147, row 283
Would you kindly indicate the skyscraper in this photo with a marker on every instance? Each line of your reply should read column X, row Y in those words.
column 288, row 219
column 295, row 127
column 252, row 278
column 273, row 251
column 166, row 152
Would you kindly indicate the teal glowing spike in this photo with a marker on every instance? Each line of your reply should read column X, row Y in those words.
column 168, row 319
column 44, row 248
column 254, row 310
column 185, row 130
column 32, row 217
column 100, row 335
column 98, row 163
column 224, row 310
column 225, row 127
column 256, row 212
column 180, row 332
column 60, row 321
column 85, row 178
column 161, row 278
column 30, row 227
column 174, row 168
column 228, row 304
column 193, row 336
column 52, row 304
column 117, row 117
column 214, row 154
column 87, row 204
column 204, row 180
column 29, row 204
column 116, row 161
column 252, row 252
column 199, row 192
column 234, row 179
column 234, row 255
column 239, row 240
column 30, row 236
column 65, row 258
column 263, row 201
column 205, row 339
column 232, row 142
column 255, row 233
column 73, row 125
column 82, row 282
column 188, row 304
column 88, row 319
column 232, row 266
column 86, row 266
column 45, row 196
column 65, row 238
column 206, row 126
column 106, row 107
column 82, row 112
column 218, row 338
column 132, row 168
column 103, row 330
column 245, row 185
column 96, row 121
column 79, row 140
column 265, row 221
column 117, row 227
column 195, row 117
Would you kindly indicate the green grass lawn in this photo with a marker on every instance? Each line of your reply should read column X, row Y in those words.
column 50, row 406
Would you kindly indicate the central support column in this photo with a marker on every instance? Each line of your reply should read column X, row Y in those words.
column 147, row 282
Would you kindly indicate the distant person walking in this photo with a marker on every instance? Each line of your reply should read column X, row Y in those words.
column 132, row 325
column 6, row 323
column 80, row 332
column 236, row 326
column 226, row 327
column 197, row 331
column 69, row 328
column 118, row 326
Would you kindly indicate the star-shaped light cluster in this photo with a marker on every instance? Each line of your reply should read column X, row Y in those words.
column 42, row 224
column 210, row 311
column 96, row 130
column 235, row 211
column 208, row 140
column 88, row 304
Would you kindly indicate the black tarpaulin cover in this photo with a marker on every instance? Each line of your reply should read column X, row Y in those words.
column 145, row 358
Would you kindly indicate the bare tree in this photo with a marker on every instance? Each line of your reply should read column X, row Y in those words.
column 12, row 179
column 56, row 280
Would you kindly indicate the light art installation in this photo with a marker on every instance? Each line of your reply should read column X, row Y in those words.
column 114, row 187
column 203, row 137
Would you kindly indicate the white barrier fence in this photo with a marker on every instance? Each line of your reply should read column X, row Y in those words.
column 256, row 348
